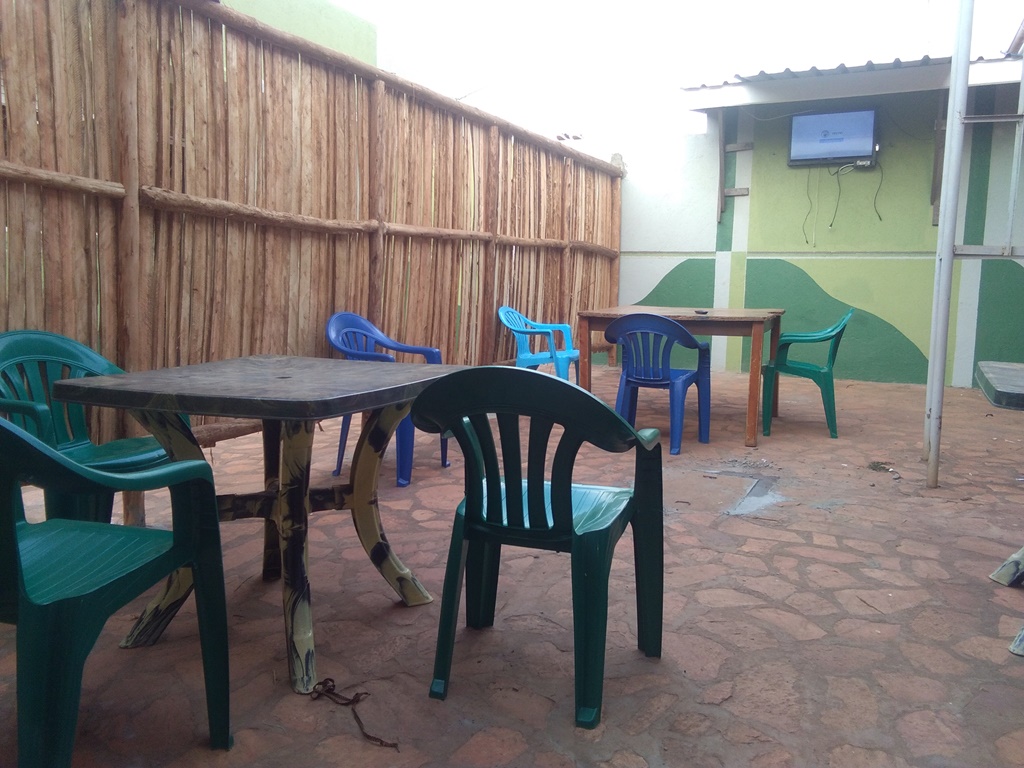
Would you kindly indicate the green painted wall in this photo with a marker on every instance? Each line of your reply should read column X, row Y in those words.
column 1000, row 328
column 886, row 208
column 316, row 20
column 1001, row 313
column 691, row 284
column 873, row 349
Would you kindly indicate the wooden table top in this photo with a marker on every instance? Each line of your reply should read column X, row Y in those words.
column 682, row 313
column 259, row 387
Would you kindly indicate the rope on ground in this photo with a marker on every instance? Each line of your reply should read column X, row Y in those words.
column 326, row 689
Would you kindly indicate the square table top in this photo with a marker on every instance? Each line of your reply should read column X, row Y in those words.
column 279, row 387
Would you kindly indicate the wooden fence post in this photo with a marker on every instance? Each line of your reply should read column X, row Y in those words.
column 135, row 327
column 375, row 289
column 487, row 349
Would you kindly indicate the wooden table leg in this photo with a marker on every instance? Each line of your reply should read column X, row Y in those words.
column 366, row 460
column 754, row 387
column 585, row 354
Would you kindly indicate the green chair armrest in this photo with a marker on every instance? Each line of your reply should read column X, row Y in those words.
column 648, row 437
column 38, row 413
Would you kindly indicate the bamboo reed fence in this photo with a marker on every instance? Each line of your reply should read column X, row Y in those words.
column 180, row 183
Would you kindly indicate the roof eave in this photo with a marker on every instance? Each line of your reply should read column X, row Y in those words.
column 844, row 82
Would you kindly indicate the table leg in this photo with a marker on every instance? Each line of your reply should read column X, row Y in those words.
column 754, row 387
column 585, row 353
column 271, row 480
column 366, row 460
column 174, row 435
column 291, row 515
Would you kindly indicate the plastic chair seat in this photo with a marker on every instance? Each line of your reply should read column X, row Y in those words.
column 103, row 555
column 359, row 339
column 647, row 342
column 127, row 454
column 525, row 330
column 822, row 375
column 523, row 498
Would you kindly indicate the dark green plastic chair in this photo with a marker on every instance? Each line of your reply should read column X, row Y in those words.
column 30, row 363
column 526, row 497
column 819, row 374
column 60, row 580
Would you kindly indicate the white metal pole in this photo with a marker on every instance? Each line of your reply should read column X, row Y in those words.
column 948, row 205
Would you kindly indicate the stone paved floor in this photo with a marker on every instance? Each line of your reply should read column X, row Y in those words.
column 823, row 608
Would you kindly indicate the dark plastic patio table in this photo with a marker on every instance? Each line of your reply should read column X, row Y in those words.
column 289, row 394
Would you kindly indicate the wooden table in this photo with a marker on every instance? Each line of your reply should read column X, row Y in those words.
column 289, row 394
column 711, row 322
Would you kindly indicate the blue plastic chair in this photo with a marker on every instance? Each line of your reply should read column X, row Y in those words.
column 525, row 330
column 647, row 343
column 524, row 496
column 359, row 339
column 819, row 374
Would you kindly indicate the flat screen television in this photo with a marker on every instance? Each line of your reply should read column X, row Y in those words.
column 833, row 138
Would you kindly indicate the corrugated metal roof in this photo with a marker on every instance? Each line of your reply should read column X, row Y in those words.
column 897, row 76
column 841, row 69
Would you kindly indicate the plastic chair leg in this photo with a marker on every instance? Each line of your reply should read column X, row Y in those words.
column 828, row 399
column 211, row 613
column 405, row 438
column 591, row 565
column 451, row 594
column 482, row 564
column 676, row 412
column 704, row 411
column 767, row 395
column 52, row 645
column 444, row 453
column 346, row 421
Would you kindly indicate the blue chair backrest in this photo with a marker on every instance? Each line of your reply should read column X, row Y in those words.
column 517, row 321
column 357, row 338
column 647, row 341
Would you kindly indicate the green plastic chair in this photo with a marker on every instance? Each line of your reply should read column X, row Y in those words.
column 819, row 374
column 60, row 580
column 537, row 505
column 30, row 363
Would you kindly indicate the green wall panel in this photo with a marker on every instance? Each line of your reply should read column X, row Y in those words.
column 1001, row 312
column 872, row 349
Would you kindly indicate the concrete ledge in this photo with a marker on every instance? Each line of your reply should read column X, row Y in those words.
column 1002, row 383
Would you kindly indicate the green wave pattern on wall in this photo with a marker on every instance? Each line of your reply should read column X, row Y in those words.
column 872, row 349
column 689, row 284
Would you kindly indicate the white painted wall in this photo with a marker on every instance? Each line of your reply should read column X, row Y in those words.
column 669, row 194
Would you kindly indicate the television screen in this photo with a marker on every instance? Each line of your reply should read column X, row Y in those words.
column 834, row 138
